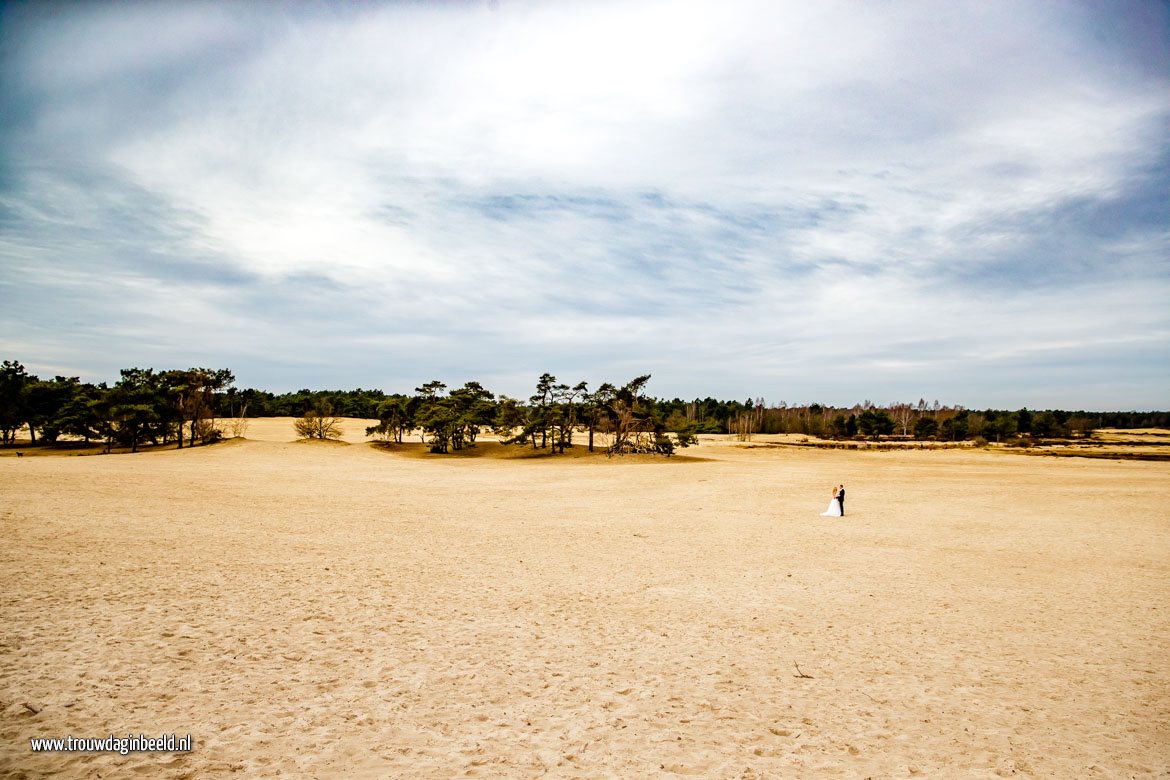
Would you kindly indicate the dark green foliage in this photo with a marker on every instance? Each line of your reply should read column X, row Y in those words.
column 875, row 423
column 554, row 411
column 47, row 405
column 685, row 430
column 925, row 428
column 133, row 409
column 1045, row 424
column 596, row 411
column 453, row 421
column 14, row 382
column 838, row 427
column 540, row 420
column 79, row 416
column 956, row 427
column 362, row 404
column 142, row 406
column 509, row 416
column 395, row 418
column 474, row 409
column 190, row 405
column 435, row 415
column 998, row 426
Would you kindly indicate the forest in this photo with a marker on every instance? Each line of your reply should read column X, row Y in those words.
column 193, row 406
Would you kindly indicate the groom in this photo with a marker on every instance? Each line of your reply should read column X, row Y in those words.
column 841, row 497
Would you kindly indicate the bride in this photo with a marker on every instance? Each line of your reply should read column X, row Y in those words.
column 834, row 509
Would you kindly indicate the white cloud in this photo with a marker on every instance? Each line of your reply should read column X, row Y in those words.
column 753, row 190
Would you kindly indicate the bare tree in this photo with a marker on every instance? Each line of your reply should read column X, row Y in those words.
column 628, row 419
column 634, row 427
column 747, row 422
column 318, row 423
column 239, row 423
column 903, row 414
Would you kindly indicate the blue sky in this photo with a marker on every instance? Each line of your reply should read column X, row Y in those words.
column 828, row 202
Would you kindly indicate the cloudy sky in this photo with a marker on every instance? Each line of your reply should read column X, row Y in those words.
column 829, row 201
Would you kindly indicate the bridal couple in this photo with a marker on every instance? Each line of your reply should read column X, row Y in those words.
column 837, row 505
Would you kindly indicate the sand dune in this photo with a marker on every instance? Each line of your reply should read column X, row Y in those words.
column 329, row 611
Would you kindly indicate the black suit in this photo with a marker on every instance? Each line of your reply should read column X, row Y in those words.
column 841, row 498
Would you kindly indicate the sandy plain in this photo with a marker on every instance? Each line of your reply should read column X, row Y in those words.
column 332, row 610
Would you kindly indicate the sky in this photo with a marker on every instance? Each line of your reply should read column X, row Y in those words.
column 803, row 202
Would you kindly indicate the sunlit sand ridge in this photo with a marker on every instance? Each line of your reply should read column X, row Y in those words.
column 333, row 610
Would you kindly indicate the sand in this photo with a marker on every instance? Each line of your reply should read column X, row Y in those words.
column 332, row 610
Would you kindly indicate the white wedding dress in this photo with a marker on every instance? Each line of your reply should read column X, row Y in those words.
column 834, row 509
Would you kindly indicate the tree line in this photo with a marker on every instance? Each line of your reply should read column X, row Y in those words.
column 142, row 406
column 192, row 406
column 450, row 420
column 715, row 416
column 936, row 422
